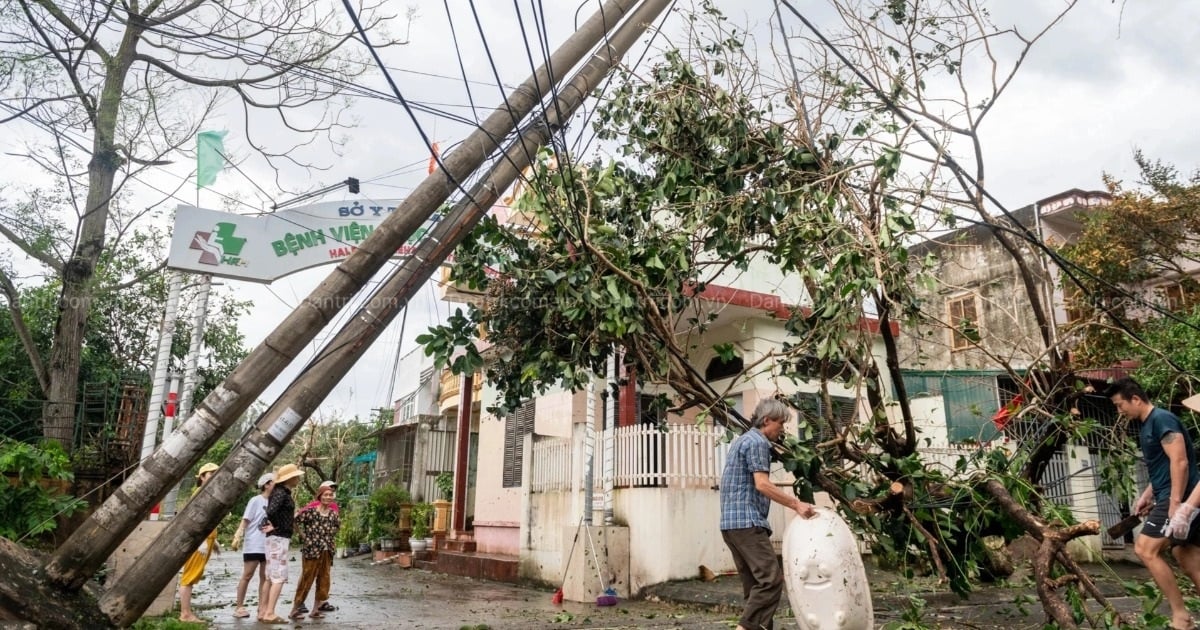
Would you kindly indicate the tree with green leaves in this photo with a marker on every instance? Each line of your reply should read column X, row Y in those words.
column 826, row 177
column 120, row 89
column 327, row 447
column 120, row 341
column 1139, row 252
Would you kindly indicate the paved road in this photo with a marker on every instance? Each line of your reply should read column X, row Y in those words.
column 389, row 597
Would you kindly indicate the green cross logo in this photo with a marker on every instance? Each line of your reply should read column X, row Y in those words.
column 219, row 246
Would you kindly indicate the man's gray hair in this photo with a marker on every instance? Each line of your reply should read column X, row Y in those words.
column 769, row 409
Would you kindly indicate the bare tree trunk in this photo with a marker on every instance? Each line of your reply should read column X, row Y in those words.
column 82, row 554
column 74, row 304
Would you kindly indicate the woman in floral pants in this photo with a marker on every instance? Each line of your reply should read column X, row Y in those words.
column 319, row 526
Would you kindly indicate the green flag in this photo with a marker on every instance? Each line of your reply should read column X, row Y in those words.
column 210, row 156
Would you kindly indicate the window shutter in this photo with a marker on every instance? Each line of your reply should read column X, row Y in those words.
column 517, row 425
column 812, row 411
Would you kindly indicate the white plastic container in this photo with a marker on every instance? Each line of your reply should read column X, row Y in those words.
column 823, row 570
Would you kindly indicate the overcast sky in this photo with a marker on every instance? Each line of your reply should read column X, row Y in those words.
column 1110, row 78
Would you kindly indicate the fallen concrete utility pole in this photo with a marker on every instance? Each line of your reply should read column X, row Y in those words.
column 85, row 551
column 125, row 600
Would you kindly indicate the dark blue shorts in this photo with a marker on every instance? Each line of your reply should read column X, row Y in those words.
column 262, row 557
column 1156, row 521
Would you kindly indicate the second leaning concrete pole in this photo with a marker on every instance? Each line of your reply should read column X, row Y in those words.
column 125, row 600
column 81, row 555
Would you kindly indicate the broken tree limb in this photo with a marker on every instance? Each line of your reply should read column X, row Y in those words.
column 899, row 494
column 1052, row 540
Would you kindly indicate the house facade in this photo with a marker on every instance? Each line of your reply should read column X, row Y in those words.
column 647, row 485
column 956, row 366
column 422, row 441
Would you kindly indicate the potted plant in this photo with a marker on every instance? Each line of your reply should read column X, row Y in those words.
column 421, row 513
column 441, row 507
column 388, row 539
column 445, row 485
column 351, row 533
column 383, row 513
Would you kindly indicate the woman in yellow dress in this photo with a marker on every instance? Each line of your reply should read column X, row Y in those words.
column 193, row 569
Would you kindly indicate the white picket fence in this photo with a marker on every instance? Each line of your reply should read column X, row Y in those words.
column 683, row 456
column 945, row 459
column 551, row 467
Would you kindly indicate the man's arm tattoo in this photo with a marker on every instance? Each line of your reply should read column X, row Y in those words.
column 1168, row 438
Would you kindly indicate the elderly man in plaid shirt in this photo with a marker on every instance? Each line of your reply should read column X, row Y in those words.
column 746, row 495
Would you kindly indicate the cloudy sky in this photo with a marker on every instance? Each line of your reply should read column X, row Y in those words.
column 1111, row 77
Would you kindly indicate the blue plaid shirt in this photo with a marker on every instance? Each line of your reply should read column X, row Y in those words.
column 742, row 505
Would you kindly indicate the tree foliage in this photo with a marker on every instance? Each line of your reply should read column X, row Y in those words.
column 327, row 447
column 1148, row 234
column 718, row 171
column 31, row 501
column 122, row 332
column 119, row 89
column 623, row 251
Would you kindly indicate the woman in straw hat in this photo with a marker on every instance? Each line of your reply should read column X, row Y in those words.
column 281, row 512
column 193, row 569
column 254, row 556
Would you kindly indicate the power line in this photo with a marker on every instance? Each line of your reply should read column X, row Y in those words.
column 236, row 50
column 586, row 127
column 496, row 74
column 458, row 53
column 170, row 30
column 1068, row 267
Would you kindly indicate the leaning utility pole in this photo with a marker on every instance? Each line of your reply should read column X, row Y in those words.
column 77, row 559
column 128, row 597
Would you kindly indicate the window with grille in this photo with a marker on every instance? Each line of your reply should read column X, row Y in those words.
column 1174, row 298
column 397, row 453
column 964, row 322
column 1073, row 304
column 517, row 425
column 810, row 411
column 408, row 408
column 1007, row 389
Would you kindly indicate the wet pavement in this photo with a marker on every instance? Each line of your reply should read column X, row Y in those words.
column 386, row 596
column 1008, row 605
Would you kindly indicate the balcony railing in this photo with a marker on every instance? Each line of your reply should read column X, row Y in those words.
column 450, row 385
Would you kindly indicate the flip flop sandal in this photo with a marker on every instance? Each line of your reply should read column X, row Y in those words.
column 316, row 614
column 274, row 620
column 295, row 614
column 241, row 613
column 327, row 607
